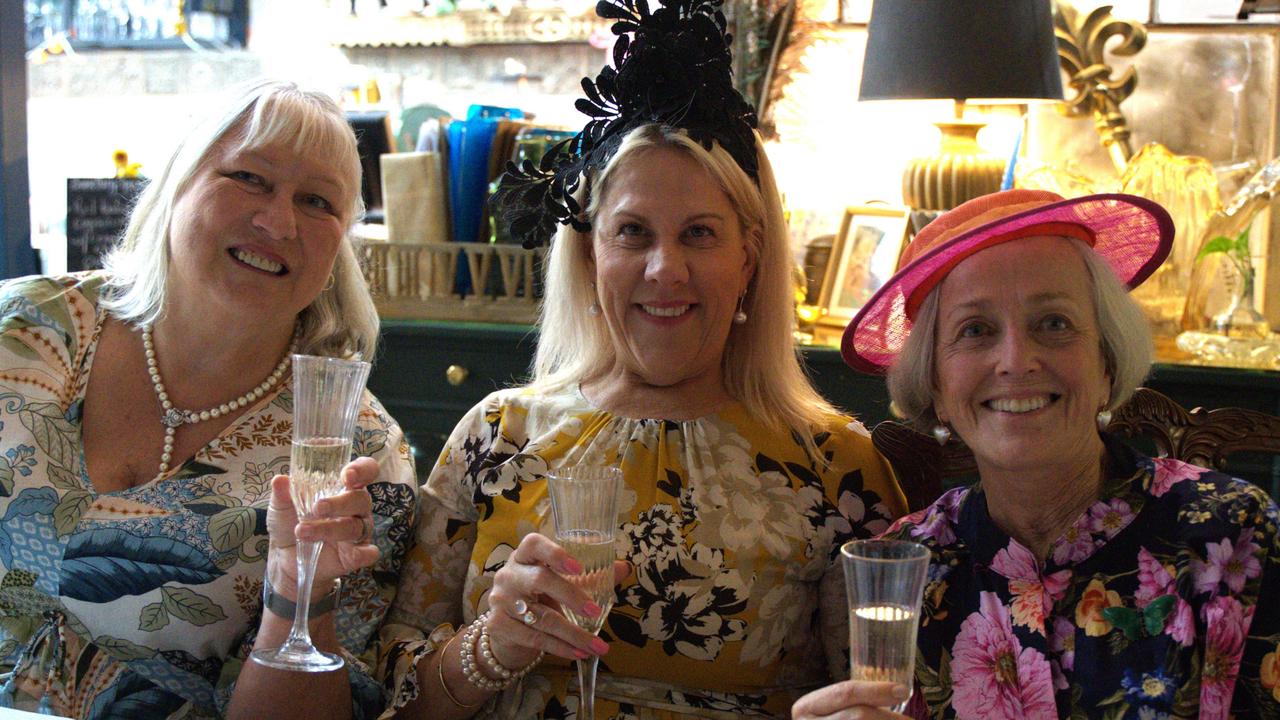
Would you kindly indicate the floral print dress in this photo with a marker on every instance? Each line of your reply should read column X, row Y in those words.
column 144, row 603
column 732, row 531
column 1159, row 602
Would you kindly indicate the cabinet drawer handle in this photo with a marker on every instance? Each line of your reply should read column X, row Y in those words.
column 456, row 374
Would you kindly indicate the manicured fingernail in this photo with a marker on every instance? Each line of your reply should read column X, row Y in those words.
column 581, row 654
column 599, row 646
column 571, row 566
column 322, row 509
column 901, row 692
column 591, row 609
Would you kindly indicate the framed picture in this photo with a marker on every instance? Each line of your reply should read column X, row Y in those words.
column 863, row 256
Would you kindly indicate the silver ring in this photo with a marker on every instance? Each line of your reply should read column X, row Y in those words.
column 520, row 606
column 366, row 530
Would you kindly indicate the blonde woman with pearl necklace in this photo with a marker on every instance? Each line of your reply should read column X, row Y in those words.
column 146, row 531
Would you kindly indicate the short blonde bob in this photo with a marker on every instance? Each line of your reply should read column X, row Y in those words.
column 342, row 320
column 1125, row 339
column 760, row 364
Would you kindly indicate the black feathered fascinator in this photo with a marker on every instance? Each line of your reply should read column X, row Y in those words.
column 672, row 66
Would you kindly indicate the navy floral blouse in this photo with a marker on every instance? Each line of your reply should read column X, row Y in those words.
column 1159, row 602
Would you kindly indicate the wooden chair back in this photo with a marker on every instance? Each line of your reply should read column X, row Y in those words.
column 1201, row 437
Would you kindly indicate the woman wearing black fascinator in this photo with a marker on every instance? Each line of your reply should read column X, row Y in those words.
column 664, row 350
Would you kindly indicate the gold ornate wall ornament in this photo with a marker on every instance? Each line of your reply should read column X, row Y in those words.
column 1081, row 45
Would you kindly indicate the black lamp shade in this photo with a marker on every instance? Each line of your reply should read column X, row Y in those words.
column 961, row 49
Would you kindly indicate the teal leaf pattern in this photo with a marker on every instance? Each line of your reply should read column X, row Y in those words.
column 106, row 564
column 230, row 528
column 67, row 514
column 53, row 433
column 155, row 588
column 122, row 649
column 186, row 604
column 153, row 617
column 62, row 478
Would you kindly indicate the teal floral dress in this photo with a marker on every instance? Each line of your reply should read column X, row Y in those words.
column 1161, row 601
column 144, row 603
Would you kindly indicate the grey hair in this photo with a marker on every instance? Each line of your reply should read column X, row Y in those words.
column 760, row 364
column 342, row 320
column 1123, row 331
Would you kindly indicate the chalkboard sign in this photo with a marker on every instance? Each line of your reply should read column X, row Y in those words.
column 97, row 211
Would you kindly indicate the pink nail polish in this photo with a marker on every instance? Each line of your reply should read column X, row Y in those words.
column 581, row 654
column 571, row 566
column 599, row 646
column 591, row 609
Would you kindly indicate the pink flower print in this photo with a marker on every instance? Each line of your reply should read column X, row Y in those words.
column 1063, row 642
column 1181, row 624
column 937, row 520
column 995, row 677
column 934, row 525
column 1170, row 472
column 1225, row 563
column 1154, row 580
column 1076, row 543
column 1109, row 517
column 1015, row 562
column 1244, row 563
column 1033, row 595
column 1227, row 623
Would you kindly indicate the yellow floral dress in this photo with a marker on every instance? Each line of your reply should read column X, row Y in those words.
column 733, row 533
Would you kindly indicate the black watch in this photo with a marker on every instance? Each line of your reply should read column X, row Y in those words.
column 287, row 609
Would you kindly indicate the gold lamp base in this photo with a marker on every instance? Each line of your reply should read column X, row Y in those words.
column 960, row 172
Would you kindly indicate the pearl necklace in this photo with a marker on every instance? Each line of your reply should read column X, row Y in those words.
column 172, row 418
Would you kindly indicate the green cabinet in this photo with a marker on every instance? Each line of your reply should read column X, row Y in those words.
column 413, row 378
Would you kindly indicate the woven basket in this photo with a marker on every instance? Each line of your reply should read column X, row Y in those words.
column 419, row 280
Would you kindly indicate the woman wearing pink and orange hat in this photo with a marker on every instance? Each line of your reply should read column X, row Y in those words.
column 1077, row 577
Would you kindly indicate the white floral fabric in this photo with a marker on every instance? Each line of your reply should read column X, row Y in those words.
column 144, row 603
column 732, row 532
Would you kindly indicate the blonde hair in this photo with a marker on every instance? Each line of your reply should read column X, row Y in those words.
column 1123, row 332
column 342, row 320
column 760, row 364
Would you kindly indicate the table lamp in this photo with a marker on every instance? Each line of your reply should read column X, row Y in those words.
column 986, row 51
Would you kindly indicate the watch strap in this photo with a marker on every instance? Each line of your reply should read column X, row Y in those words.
column 288, row 609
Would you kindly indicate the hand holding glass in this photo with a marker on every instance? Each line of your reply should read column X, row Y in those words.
column 326, row 401
column 884, row 580
column 584, row 501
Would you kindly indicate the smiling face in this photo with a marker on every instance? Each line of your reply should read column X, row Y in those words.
column 1020, row 371
column 256, row 231
column 670, row 262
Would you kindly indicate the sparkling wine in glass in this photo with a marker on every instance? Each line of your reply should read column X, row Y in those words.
column 326, row 401
column 584, row 501
column 884, row 580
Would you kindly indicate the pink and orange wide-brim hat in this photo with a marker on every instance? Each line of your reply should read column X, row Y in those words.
column 1132, row 234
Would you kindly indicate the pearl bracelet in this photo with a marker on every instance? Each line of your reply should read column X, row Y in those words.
column 471, row 669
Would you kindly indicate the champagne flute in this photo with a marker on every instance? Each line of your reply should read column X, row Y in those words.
column 326, row 401
column 584, row 501
column 884, row 580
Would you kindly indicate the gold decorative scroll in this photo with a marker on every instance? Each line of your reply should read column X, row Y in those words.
column 1081, row 45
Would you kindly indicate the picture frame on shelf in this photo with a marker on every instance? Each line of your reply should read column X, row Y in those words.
column 864, row 256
